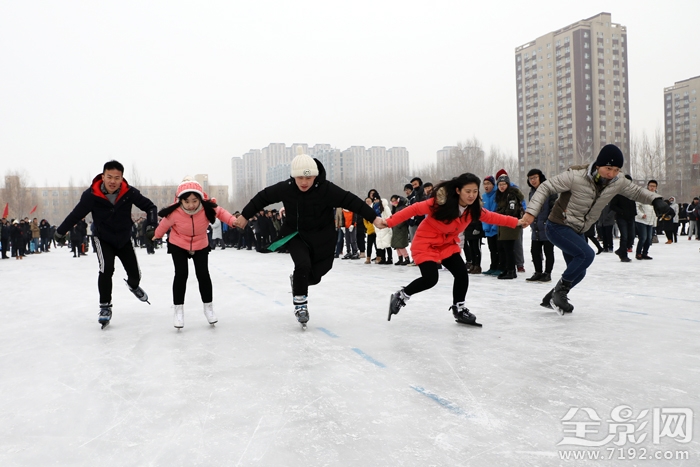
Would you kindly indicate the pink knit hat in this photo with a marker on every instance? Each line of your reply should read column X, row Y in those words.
column 190, row 186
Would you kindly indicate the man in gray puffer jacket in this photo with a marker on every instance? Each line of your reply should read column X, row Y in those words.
column 584, row 192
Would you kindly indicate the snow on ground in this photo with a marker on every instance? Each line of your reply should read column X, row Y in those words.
column 354, row 389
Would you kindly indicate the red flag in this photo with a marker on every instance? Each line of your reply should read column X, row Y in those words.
column 7, row 210
column 33, row 209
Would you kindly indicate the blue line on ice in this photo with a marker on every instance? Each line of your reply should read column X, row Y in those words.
column 634, row 312
column 368, row 358
column 443, row 402
column 326, row 331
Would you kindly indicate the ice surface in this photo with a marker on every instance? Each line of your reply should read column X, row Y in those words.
column 352, row 390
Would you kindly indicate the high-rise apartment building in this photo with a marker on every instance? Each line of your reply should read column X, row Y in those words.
column 681, row 132
column 572, row 95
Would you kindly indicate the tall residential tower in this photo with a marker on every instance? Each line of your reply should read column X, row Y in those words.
column 572, row 95
column 681, row 130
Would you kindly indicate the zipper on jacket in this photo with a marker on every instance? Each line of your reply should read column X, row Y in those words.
column 192, row 237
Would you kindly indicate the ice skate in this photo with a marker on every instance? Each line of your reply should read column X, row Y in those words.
column 301, row 310
column 179, row 316
column 463, row 316
column 105, row 314
column 209, row 313
column 560, row 298
column 546, row 300
column 396, row 302
column 139, row 293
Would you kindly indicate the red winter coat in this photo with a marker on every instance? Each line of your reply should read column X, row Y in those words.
column 435, row 240
column 189, row 232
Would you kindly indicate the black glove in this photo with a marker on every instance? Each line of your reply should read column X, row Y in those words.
column 150, row 232
column 661, row 207
column 59, row 238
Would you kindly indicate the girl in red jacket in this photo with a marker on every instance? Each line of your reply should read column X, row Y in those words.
column 188, row 220
column 451, row 208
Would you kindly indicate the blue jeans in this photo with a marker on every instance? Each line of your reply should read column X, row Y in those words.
column 577, row 254
column 644, row 232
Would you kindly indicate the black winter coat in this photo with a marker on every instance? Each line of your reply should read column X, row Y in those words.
column 112, row 222
column 311, row 213
column 625, row 208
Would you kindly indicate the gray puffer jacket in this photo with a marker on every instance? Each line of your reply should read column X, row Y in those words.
column 581, row 200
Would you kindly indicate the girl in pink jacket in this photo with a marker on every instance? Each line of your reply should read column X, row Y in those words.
column 188, row 220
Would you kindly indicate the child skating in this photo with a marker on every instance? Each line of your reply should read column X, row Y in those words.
column 188, row 220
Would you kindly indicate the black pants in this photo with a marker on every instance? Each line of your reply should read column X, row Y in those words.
column 5, row 247
column 430, row 273
column 607, row 232
column 536, row 249
column 371, row 242
column 472, row 251
column 105, row 257
column 385, row 254
column 493, row 250
column 626, row 234
column 200, row 259
column 307, row 270
column 506, row 255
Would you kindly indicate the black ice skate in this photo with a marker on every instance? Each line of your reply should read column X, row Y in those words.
column 463, row 316
column 546, row 300
column 105, row 314
column 396, row 302
column 139, row 293
column 560, row 298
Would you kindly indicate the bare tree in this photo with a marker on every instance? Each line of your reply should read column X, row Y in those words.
column 648, row 156
column 17, row 194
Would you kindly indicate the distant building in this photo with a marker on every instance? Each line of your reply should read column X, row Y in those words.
column 681, row 134
column 259, row 168
column 572, row 95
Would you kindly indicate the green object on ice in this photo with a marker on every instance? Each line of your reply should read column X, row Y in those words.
column 273, row 246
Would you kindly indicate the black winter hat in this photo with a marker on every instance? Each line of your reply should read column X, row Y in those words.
column 503, row 178
column 610, row 156
column 535, row 172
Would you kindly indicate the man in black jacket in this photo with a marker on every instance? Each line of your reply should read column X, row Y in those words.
column 110, row 199
column 309, row 231
column 626, row 210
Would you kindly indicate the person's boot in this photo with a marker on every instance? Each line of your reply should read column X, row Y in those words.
column 368, row 260
column 508, row 275
column 560, row 297
column 547, row 300
column 399, row 262
column 476, row 270
column 301, row 309
column 179, row 316
column 396, row 302
column 622, row 254
column 535, row 277
column 545, row 277
column 209, row 313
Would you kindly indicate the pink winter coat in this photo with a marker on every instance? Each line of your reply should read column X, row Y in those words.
column 434, row 240
column 189, row 232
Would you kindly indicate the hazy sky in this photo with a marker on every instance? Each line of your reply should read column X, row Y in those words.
column 175, row 88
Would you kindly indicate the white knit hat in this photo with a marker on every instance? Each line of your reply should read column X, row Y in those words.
column 190, row 186
column 304, row 166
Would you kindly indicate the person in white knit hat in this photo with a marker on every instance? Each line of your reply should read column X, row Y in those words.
column 188, row 220
column 309, row 231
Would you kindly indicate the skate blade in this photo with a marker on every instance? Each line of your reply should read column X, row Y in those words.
column 303, row 326
column 474, row 323
column 559, row 311
column 104, row 325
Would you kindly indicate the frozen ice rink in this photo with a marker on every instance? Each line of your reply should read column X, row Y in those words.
column 354, row 389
